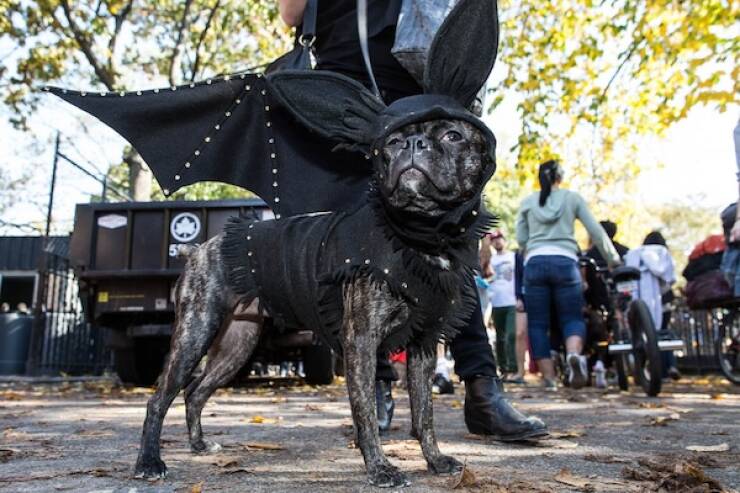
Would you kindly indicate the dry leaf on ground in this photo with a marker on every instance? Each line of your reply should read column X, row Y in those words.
column 456, row 404
column 567, row 477
column 197, row 488
column 663, row 420
column 6, row 454
column 465, row 479
column 606, row 459
column 225, row 462
column 312, row 407
column 263, row 446
column 567, row 433
column 671, row 474
column 722, row 447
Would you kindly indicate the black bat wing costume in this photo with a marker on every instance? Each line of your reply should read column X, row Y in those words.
column 231, row 129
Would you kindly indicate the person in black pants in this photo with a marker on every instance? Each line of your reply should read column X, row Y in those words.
column 337, row 48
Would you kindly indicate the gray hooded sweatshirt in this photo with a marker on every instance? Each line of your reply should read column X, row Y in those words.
column 552, row 225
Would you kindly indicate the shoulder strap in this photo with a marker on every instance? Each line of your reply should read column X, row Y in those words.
column 308, row 32
column 362, row 32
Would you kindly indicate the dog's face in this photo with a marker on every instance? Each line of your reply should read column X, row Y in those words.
column 430, row 167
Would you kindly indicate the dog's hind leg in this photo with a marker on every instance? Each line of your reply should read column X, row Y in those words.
column 201, row 305
column 366, row 310
column 227, row 356
column 420, row 371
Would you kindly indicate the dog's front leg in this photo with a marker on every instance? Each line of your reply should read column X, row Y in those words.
column 419, row 375
column 360, row 330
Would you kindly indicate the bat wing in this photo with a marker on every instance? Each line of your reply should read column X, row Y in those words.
column 231, row 130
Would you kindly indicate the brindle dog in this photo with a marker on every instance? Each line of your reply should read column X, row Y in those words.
column 429, row 168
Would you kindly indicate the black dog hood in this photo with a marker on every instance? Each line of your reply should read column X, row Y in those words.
column 425, row 107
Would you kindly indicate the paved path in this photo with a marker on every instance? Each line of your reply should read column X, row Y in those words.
column 84, row 437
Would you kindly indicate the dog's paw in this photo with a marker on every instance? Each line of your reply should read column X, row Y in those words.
column 444, row 464
column 388, row 477
column 151, row 469
column 205, row 447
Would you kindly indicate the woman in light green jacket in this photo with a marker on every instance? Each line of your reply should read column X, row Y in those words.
column 544, row 230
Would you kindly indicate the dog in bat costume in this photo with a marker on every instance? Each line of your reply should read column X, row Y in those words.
column 394, row 271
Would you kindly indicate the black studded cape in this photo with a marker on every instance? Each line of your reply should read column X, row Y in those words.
column 298, row 266
column 230, row 129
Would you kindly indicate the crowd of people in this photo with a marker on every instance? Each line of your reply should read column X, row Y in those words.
column 537, row 297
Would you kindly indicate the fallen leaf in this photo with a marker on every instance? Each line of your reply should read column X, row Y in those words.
column 6, row 454
column 567, row 477
column 605, row 459
column 567, row 434
column 9, row 395
column 466, row 479
column 197, row 488
column 456, row 404
column 225, row 462
column 556, row 443
column 650, row 405
column 663, row 420
column 718, row 396
column 262, row 420
column 671, row 474
column 94, row 433
column 722, row 447
column 312, row 407
column 263, row 446
column 471, row 436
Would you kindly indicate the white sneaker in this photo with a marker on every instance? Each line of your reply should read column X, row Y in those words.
column 599, row 375
column 577, row 371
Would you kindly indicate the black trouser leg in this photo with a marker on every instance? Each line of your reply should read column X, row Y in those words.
column 470, row 349
column 384, row 370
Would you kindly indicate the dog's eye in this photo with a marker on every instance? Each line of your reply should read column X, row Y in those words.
column 393, row 141
column 452, row 136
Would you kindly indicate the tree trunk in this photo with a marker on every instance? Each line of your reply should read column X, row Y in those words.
column 140, row 176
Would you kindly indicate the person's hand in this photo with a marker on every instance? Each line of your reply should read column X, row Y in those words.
column 735, row 231
column 520, row 306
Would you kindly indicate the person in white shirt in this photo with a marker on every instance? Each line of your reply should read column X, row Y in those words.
column 502, row 295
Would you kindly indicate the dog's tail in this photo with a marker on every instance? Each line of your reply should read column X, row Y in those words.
column 184, row 251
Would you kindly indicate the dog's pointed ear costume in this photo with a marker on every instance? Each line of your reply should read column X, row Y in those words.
column 470, row 28
column 241, row 129
column 330, row 104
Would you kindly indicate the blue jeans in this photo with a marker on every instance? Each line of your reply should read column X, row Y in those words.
column 731, row 268
column 552, row 281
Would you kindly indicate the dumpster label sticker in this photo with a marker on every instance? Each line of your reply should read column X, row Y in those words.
column 185, row 227
column 112, row 221
column 103, row 297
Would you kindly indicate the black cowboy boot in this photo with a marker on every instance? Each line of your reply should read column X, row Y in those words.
column 487, row 412
column 384, row 405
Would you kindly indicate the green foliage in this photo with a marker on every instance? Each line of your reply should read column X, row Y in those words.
column 112, row 43
column 593, row 78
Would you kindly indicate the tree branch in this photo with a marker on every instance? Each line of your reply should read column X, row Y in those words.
column 120, row 18
column 82, row 40
column 176, row 51
column 201, row 38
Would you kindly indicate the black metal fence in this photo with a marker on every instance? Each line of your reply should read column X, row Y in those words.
column 63, row 341
column 698, row 329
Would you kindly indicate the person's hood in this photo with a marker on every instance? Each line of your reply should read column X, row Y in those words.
column 553, row 208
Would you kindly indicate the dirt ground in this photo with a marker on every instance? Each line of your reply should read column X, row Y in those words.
column 289, row 437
